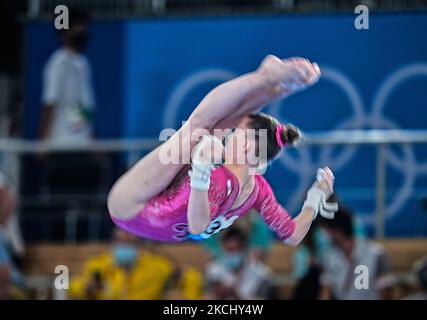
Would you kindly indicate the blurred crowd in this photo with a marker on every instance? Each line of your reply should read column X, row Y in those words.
column 324, row 266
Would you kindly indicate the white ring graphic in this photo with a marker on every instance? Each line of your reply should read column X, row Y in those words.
column 186, row 86
column 303, row 164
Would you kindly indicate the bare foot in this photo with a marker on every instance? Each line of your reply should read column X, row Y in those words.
column 291, row 74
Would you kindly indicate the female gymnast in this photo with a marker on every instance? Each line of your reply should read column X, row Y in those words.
column 170, row 202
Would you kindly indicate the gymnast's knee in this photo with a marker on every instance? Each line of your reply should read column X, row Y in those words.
column 120, row 207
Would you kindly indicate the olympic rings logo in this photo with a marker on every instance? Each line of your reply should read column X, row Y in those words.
column 304, row 166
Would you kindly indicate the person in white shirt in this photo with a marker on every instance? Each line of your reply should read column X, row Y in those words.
column 237, row 274
column 68, row 107
column 68, row 99
column 10, row 275
column 346, row 258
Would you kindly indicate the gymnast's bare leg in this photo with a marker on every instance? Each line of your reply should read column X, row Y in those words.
column 221, row 108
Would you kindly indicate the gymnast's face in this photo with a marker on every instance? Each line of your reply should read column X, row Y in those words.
column 238, row 144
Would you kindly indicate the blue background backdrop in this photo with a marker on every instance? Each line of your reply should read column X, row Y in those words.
column 145, row 69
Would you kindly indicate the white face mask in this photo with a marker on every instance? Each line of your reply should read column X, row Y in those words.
column 125, row 254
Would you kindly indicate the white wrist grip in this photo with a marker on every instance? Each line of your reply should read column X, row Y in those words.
column 200, row 176
column 202, row 165
column 316, row 200
column 313, row 200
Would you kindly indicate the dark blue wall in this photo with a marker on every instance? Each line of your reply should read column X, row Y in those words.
column 152, row 73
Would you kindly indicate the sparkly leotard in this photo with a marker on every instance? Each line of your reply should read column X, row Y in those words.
column 164, row 217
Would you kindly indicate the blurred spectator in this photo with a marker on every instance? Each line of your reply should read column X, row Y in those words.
column 420, row 270
column 260, row 237
column 10, row 229
column 123, row 273
column 343, row 256
column 308, row 256
column 126, row 273
column 68, row 106
column 6, row 292
column 185, row 284
column 306, row 263
column 7, row 201
column 12, row 284
column 68, row 112
column 237, row 274
column 68, row 99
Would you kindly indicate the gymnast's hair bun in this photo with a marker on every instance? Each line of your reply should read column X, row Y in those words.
column 291, row 135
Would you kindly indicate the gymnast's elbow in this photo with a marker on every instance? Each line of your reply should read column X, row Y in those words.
column 121, row 206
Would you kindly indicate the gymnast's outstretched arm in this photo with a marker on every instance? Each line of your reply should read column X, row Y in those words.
column 293, row 230
column 323, row 187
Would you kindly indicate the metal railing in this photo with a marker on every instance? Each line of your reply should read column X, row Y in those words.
column 39, row 9
column 379, row 139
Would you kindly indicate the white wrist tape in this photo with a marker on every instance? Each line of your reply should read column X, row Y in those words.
column 316, row 200
column 328, row 209
column 315, row 196
column 200, row 176
column 201, row 167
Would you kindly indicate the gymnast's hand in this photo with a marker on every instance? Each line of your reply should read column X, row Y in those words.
column 319, row 192
column 290, row 75
column 325, row 181
column 208, row 151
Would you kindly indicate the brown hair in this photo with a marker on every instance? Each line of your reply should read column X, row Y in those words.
column 290, row 134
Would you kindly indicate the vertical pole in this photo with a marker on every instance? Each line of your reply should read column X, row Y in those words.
column 380, row 192
column 33, row 8
column 71, row 221
column 12, row 166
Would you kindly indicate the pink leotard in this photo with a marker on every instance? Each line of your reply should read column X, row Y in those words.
column 164, row 217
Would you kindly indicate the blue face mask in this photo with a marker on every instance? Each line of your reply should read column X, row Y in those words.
column 125, row 254
column 232, row 261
